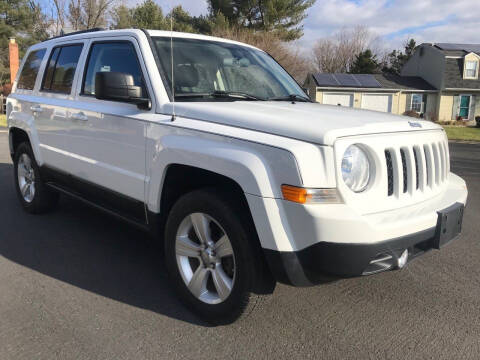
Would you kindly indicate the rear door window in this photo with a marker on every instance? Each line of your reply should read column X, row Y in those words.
column 29, row 73
column 112, row 57
column 61, row 69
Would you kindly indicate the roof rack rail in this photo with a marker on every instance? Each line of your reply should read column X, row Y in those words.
column 78, row 32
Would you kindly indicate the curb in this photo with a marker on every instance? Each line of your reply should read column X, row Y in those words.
column 470, row 142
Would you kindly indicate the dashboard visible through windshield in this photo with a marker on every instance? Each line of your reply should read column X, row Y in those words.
column 211, row 71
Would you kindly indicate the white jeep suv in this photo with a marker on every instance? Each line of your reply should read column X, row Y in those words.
column 211, row 146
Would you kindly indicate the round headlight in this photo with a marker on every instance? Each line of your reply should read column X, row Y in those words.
column 355, row 168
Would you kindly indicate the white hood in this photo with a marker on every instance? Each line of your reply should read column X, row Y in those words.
column 311, row 122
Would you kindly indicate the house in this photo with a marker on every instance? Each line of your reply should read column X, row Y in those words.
column 439, row 82
column 453, row 70
column 389, row 93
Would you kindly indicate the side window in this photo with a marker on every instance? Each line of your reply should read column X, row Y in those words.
column 61, row 69
column 112, row 57
column 30, row 70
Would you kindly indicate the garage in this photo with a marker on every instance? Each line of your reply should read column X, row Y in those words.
column 377, row 102
column 338, row 99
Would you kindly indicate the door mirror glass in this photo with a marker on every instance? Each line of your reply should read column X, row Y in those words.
column 116, row 86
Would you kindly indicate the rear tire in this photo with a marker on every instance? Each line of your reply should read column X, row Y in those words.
column 213, row 261
column 34, row 195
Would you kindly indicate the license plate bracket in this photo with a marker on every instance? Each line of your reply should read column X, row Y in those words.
column 449, row 224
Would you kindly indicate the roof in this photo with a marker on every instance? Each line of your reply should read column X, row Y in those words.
column 98, row 32
column 372, row 81
column 453, row 49
column 453, row 76
column 390, row 81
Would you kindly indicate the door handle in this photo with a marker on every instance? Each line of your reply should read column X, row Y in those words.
column 79, row 116
column 36, row 108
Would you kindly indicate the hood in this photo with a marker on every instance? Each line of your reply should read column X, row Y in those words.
column 311, row 122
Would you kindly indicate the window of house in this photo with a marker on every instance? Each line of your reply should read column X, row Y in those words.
column 417, row 103
column 29, row 73
column 115, row 57
column 471, row 69
column 61, row 69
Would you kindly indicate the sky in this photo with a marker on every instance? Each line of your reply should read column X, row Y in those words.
column 392, row 20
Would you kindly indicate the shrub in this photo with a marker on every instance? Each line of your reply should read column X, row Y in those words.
column 412, row 113
column 477, row 119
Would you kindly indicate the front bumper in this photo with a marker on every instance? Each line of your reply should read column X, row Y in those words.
column 324, row 261
column 305, row 245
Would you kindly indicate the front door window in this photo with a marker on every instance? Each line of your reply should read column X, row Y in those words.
column 464, row 106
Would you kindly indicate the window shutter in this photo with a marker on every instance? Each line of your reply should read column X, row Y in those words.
column 455, row 107
column 471, row 112
column 408, row 104
column 424, row 100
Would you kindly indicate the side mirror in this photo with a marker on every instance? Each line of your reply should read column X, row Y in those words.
column 115, row 86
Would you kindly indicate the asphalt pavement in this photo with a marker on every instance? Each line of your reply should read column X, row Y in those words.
column 77, row 284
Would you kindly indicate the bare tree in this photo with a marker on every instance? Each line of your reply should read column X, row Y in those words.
column 87, row 14
column 59, row 15
column 336, row 54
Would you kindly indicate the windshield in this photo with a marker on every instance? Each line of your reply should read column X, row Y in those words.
column 203, row 70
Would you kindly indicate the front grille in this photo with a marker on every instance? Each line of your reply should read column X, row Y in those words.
column 416, row 168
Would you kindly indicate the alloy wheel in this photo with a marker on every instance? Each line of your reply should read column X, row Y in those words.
column 205, row 258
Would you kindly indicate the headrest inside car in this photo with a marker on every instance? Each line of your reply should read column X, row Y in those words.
column 186, row 76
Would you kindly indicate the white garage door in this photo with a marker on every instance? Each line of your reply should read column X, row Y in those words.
column 377, row 102
column 336, row 98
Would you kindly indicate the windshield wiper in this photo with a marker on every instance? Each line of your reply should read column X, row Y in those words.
column 221, row 94
column 291, row 97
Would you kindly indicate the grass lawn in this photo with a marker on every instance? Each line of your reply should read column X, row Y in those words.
column 3, row 120
column 463, row 133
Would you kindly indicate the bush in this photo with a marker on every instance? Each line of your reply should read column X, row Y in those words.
column 477, row 119
column 412, row 113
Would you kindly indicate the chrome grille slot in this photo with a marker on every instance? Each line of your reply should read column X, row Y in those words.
column 428, row 165
column 417, row 172
column 404, row 168
column 438, row 165
column 388, row 158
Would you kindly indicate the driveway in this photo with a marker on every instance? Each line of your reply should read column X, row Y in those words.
column 77, row 284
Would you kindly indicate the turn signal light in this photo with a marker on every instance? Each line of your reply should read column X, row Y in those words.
column 310, row 196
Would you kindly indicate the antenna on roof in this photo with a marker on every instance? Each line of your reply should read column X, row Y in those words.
column 171, row 61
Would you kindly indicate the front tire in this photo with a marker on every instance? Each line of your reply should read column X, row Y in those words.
column 212, row 261
column 34, row 195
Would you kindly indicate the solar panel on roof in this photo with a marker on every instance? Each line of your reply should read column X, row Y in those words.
column 367, row 80
column 347, row 80
column 472, row 48
column 326, row 80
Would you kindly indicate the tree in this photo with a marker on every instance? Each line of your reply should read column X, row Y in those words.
column 396, row 59
column 365, row 63
column 88, row 14
column 148, row 15
column 281, row 16
column 122, row 17
column 337, row 53
column 182, row 21
column 287, row 54
column 24, row 20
